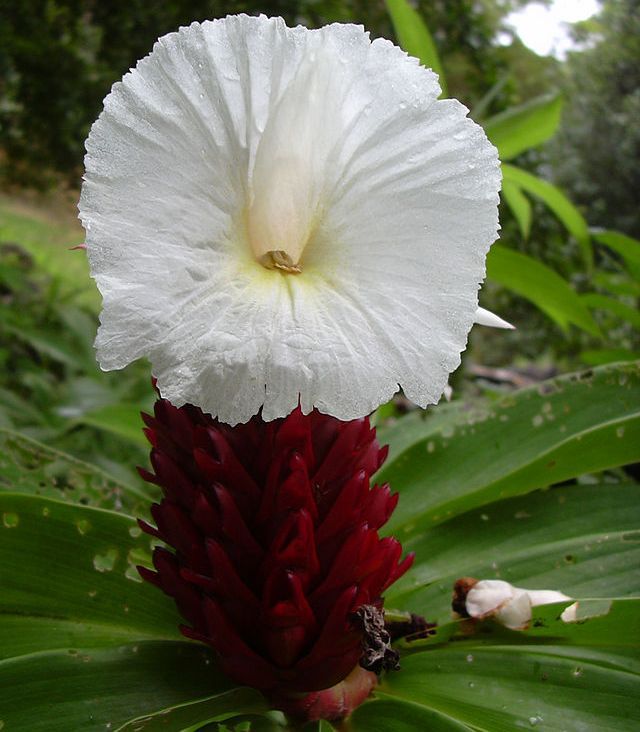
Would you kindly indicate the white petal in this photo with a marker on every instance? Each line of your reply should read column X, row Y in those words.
column 241, row 135
column 546, row 597
column 570, row 613
column 486, row 317
column 516, row 614
column 510, row 605
column 488, row 596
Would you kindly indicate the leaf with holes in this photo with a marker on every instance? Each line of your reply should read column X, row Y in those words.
column 530, row 439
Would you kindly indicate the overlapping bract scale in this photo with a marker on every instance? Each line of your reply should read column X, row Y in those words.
column 272, row 535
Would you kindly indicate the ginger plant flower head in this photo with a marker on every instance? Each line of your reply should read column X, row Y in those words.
column 279, row 216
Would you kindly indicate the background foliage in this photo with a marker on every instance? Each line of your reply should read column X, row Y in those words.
column 524, row 475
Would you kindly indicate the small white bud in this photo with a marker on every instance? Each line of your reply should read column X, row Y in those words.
column 509, row 605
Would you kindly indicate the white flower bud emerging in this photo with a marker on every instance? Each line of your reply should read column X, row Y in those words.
column 509, row 605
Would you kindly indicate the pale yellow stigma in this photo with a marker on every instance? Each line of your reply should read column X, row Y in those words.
column 282, row 215
column 280, row 260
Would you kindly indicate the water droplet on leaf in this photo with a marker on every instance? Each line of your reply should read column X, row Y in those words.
column 10, row 520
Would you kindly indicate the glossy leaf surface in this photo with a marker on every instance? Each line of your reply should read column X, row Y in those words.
column 530, row 439
column 528, row 125
column 557, row 202
column 540, row 285
column 519, row 205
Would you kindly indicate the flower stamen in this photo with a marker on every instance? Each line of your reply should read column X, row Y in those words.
column 279, row 259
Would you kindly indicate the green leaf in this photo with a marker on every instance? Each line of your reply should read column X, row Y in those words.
column 501, row 689
column 618, row 284
column 528, row 125
column 608, row 355
column 519, row 205
column 122, row 420
column 602, row 302
column 416, row 426
column 52, row 346
column 272, row 721
column 626, row 246
column 607, row 623
column 414, row 37
column 386, row 714
column 101, row 688
column 27, row 466
column 557, row 202
column 530, row 439
column 540, row 285
column 68, row 579
column 577, row 539
column 212, row 709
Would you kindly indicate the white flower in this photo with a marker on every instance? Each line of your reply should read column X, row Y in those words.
column 511, row 606
column 279, row 214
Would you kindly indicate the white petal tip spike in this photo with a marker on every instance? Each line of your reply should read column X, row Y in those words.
column 491, row 320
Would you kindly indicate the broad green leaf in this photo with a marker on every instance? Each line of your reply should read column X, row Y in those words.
column 540, row 285
column 519, row 206
column 482, row 105
column 582, row 540
column 555, row 200
column 212, row 709
column 626, row 246
column 18, row 407
column 52, row 346
column 602, row 302
column 414, row 37
column 608, row 355
column 101, row 688
column 122, row 420
column 528, row 125
column 27, row 466
column 68, row 578
column 529, row 439
column 387, row 714
column 400, row 434
column 272, row 721
column 501, row 689
column 618, row 284
column 607, row 623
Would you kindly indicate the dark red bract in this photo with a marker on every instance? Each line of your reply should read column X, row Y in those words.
column 274, row 530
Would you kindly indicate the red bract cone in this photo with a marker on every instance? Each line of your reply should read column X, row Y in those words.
column 274, row 531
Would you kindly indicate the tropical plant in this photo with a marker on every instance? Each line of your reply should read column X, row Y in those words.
column 530, row 488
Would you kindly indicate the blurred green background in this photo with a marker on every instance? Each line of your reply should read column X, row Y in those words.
column 566, row 271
